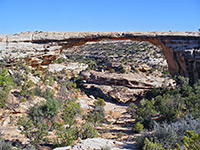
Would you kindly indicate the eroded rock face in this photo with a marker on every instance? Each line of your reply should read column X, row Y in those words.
column 181, row 49
column 121, row 87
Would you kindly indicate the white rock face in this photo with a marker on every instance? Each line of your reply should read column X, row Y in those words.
column 95, row 144
column 76, row 67
column 56, row 67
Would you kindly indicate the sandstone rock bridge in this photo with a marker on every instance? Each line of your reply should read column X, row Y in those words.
column 181, row 49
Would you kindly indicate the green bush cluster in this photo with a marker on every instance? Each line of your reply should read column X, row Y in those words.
column 151, row 145
column 5, row 86
column 5, row 145
column 88, row 131
column 60, row 60
column 52, row 116
column 71, row 110
column 138, row 127
column 40, row 119
column 97, row 115
column 190, row 142
column 168, row 113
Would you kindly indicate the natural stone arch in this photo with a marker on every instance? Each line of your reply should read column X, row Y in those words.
column 153, row 40
column 181, row 49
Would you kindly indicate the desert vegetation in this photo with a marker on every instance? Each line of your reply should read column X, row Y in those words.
column 47, row 107
column 169, row 114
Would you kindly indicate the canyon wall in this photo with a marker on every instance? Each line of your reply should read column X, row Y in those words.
column 181, row 49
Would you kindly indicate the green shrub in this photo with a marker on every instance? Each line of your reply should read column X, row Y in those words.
column 48, row 94
column 190, row 142
column 99, row 102
column 5, row 86
column 170, row 134
column 120, row 134
column 112, row 70
column 87, row 131
column 138, row 127
column 3, row 98
column 71, row 110
column 38, row 91
column 136, row 70
column 97, row 115
column 5, row 78
column 150, row 145
column 35, row 133
column 169, row 106
column 25, row 91
column 50, row 109
column 65, row 135
column 145, row 112
column 132, row 109
column 45, row 112
column 5, row 145
column 122, row 70
column 60, row 60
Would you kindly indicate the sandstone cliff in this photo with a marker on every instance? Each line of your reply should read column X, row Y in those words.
column 181, row 49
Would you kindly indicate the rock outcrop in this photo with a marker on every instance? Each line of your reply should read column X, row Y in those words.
column 120, row 87
column 97, row 144
column 181, row 49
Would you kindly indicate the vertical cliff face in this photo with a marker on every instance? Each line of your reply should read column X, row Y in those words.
column 183, row 56
column 181, row 49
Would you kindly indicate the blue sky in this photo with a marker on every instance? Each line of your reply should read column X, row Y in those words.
column 99, row 15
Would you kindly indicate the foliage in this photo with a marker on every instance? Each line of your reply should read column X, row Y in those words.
column 47, row 111
column 35, row 126
column 132, row 109
column 5, row 145
column 87, row 131
column 145, row 112
column 60, row 60
column 150, row 145
column 112, row 70
column 48, row 94
column 5, row 86
column 3, row 98
column 120, row 134
column 167, row 104
column 65, row 135
column 99, row 102
column 170, row 134
column 5, row 78
column 97, row 115
column 191, row 141
column 122, row 70
column 36, row 133
column 71, row 110
column 138, row 127
column 37, row 91
column 18, row 78
column 25, row 91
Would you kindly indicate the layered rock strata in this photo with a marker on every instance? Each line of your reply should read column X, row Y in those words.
column 121, row 87
column 181, row 49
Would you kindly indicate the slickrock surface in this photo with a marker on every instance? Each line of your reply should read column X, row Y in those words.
column 181, row 49
column 97, row 144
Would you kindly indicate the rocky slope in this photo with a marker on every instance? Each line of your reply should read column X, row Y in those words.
column 181, row 49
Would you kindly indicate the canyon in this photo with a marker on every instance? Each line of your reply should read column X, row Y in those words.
column 181, row 49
